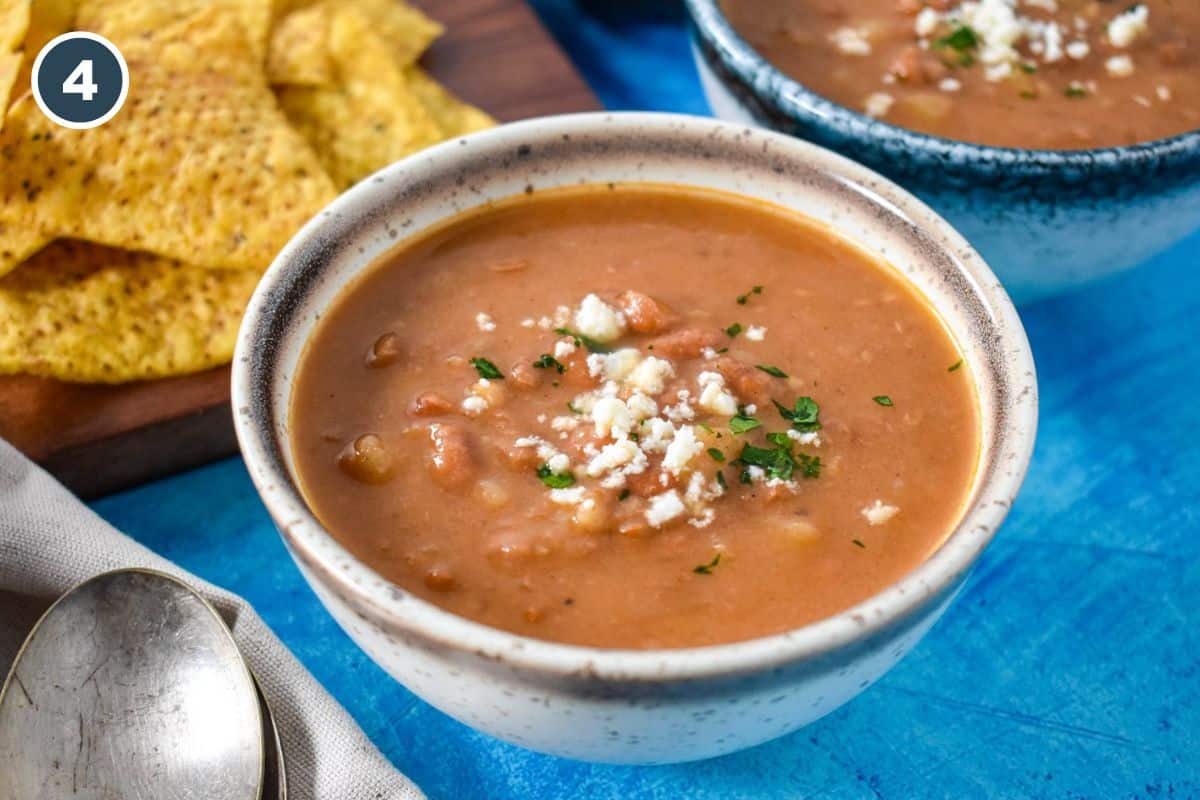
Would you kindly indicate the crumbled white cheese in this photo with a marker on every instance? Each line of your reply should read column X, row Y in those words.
column 614, row 366
column 851, row 41
column 1164, row 93
column 927, row 21
column 484, row 322
column 683, row 448
column 620, row 453
column 598, row 320
column 641, row 406
column 713, row 395
column 705, row 519
column 1045, row 5
column 950, row 84
column 664, row 508
column 1119, row 66
column 998, row 72
column 650, row 376
column 1125, row 28
column 805, row 438
column 563, row 348
column 545, row 323
column 756, row 333
column 528, row 322
column 567, row 497
column 612, row 418
column 879, row 512
column 708, row 353
column 878, row 104
column 1079, row 50
column 682, row 410
column 564, row 423
column 559, row 463
column 996, row 24
column 656, row 435
column 1052, row 47
column 474, row 405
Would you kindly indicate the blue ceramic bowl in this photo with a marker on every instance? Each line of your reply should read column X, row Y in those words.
column 1047, row 221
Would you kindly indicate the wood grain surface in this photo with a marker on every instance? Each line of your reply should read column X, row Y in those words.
column 99, row 439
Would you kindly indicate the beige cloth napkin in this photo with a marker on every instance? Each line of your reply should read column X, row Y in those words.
column 49, row 541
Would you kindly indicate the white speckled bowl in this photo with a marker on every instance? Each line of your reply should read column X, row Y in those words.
column 650, row 706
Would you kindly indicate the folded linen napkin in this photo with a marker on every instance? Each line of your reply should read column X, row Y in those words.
column 49, row 542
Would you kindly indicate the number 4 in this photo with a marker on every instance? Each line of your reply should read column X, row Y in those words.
column 80, row 81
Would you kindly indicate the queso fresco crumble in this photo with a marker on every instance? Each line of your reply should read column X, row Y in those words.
column 634, row 417
column 1017, row 73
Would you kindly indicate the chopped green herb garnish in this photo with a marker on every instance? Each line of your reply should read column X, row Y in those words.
column 781, row 439
column 961, row 38
column 555, row 480
column 548, row 361
column 716, row 455
column 776, row 461
column 706, row 569
column 1026, row 94
column 733, row 330
column 634, row 436
column 1028, row 68
column 721, row 480
column 723, row 350
column 704, row 427
column 574, row 409
column 742, row 423
column 810, row 466
column 588, row 342
column 804, row 416
column 487, row 369
column 859, row 544
column 955, row 366
column 1075, row 91
column 623, row 494
column 743, row 298
column 883, row 400
column 775, row 372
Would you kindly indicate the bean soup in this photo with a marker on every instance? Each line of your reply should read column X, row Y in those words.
column 1032, row 74
column 635, row 416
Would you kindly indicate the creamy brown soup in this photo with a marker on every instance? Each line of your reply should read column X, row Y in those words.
column 635, row 417
column 1035, row 74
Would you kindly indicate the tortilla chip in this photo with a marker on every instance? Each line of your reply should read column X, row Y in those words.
column 83, row 312
column 371, row 117
column 126, row 21
column 298, row 53
column 47, row 19
column 199, row 166
column 10, row 65
column 452, row 116
column 18, row 244
column 405, row 30
column 14, row 21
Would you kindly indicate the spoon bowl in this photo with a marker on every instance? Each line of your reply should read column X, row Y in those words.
column 130, row 686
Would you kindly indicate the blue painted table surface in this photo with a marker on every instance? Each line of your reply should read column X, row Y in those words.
column 1070, row 666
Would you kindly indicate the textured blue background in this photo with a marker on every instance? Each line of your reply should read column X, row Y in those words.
column 1070, row 667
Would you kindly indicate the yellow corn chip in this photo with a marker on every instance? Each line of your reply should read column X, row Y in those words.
column 125, row 21
column 453, row 116
column 10, row 65
column 47, row 19
column 83, row 312
column 18, row 244
column 298, row 53
column 199, row 165
column 405, row 31
column 371, row 117
column 14, row 21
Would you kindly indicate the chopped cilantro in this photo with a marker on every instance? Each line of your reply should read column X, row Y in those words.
column 858, row 543
column 955, row 366
column 1028, row 68
column 574, row 409
column 591, row 344
column 778, row 461
column 733, row 330
column 775, row 372
column 961, row 39
column 487, row 369
column 781, row 439
column 742, row 423
column 721, row 480
column 804, row 416
column 742, row 299
column 623, row 494
column 706, row 569
column 716, row 455
column 1075, row 91
column 810, row 466
column 547, row 361
column 555, row 480
column 723, row 350
column 704, row 427
column 634, row 436
column 883, row 400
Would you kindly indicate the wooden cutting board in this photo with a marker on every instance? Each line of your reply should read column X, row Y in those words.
column 99, row 439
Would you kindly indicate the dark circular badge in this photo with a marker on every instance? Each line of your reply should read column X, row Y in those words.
column 80, row 80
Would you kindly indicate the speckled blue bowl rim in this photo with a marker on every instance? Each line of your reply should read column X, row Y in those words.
column 927, row 150
column 268, row 321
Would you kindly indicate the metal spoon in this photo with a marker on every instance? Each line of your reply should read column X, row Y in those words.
column 274, row 767
column 130, row 687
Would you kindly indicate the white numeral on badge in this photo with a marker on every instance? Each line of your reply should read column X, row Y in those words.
column 80, row 81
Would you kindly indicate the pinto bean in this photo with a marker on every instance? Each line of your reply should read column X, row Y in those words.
column 429, row 404
column 439, row 579
column 384, row 351
column 451, row 460
column 644, row 314
column 750, row 384
column 366, row 460
column 687, row 343
column 525, row 375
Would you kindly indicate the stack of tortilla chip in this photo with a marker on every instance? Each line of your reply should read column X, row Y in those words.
column 129, row 251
